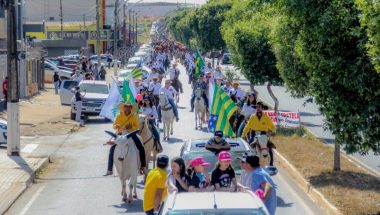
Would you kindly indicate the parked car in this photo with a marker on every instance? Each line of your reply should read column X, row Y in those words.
column 96, row 93
column 135, row 60
column 71, row 57
column 226, row 59
column 50, row 68
column 104, row 60
column 213, row 203
column 195, row 148
column 72, row 64
column 3, row 131
column 66, row 91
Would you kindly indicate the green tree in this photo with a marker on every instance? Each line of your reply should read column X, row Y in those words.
column 329, row 48
column 246, row 32
column 205, row 24
column 178, row 25
column 370, row 19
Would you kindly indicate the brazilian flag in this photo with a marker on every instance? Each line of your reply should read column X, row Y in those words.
column 199, row 65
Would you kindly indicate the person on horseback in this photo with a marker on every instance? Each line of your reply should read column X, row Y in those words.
column 174, row 77
column 249, row 108
column 261, row 123
column 190, row 70
column 203, row 86
column 150, row 110
column 154, row 88
column 127, row 121
column 170, row 92
column 236, row 91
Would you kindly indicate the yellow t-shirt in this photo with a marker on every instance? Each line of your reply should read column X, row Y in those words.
column 126, row 122
column 156, row 179
column 254, row 124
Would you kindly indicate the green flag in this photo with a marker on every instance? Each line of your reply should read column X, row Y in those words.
column 199, row 65
column 222, row 109
column 126, row 94
column 137, row 73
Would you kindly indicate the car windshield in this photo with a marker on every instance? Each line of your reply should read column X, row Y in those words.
column 212, row 159
column 134, row 61
column 258, row 211
column 94, row 88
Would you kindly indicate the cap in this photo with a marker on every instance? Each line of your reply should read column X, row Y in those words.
column 201, row 76
column 252, row 160
column 250, row 94
column 218, row 133
column 199, row 161
column 224, row 156
column 162, row 160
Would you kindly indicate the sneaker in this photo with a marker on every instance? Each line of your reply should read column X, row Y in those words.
column 177, row 119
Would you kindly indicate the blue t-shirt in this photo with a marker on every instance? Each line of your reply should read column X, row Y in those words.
column 259, row 176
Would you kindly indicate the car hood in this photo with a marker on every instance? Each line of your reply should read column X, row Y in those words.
column 95, row 96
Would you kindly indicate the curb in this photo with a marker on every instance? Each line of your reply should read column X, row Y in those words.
column 13, row 195
column 312, row 192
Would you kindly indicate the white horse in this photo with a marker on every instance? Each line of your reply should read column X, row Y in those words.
column 199, row 109
column 260, row 147
column 167, row 115
column 148, row 140
column 127, row 162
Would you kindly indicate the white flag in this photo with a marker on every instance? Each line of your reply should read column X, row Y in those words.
column 111, row 107
column 132, row 86
column 210, row 94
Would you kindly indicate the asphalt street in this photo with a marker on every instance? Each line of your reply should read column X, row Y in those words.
column 73, row 182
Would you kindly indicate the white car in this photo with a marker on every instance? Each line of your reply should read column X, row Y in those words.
column 104, row 60
column 3, row 132
column 95, row 95
column 135, row 60
column 66, row 91
column 213, row 203
column 50, row 68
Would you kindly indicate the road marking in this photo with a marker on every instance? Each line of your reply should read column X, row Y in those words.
column 34, row 197
column 29, row 148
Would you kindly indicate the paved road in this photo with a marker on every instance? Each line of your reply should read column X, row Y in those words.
column 73, row 183
column 311, row 117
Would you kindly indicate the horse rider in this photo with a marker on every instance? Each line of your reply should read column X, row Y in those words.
column 261, row 123
column 127, row 121
column 174, row 76
column 203, row 86
column 154, row 87
column 236, row 92
column 209, row 68
column 191, row 69
column 170, row 93
column 149, row 109
column 138, row 85
column 217, row 74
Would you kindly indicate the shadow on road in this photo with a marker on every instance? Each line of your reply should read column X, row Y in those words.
column 174, row 140
column 281, row 203
column 3, row 147
column 134, row 207
column 345, row 179
column 94, row 121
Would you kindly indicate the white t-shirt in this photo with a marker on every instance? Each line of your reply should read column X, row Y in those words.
column 247, row 111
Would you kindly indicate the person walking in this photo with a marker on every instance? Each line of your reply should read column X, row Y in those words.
column 5, row 91
column 56, row 82
column 102, row 73
column 95, row 71
column 155, row 186
column 78, row 106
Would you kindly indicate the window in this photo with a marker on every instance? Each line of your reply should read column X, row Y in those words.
column 94, row 88
column 69, row 85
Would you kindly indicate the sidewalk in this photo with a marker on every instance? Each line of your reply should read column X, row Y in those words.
column 311, row 118
column 41, row 115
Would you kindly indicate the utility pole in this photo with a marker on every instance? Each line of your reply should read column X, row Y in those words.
column 13, row 94
column 115, row 34
column 124, row 33
column 133, row 27
column 98, row 31
column 61, row 16
column 129, row 29
column 136, row 28
column 84, row 21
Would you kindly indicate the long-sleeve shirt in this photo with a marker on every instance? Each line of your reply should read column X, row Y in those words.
column 169, row 92
column 150, row 111
column 256, row 124
column 126, row 122
column 155, row 87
